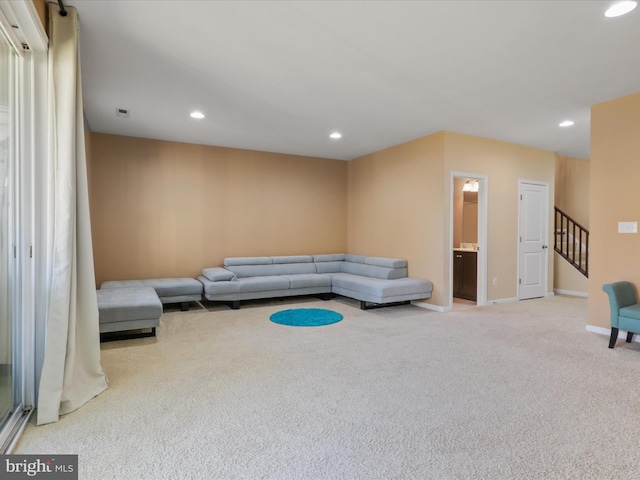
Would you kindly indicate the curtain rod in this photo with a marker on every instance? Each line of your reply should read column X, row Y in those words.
column 63, row 12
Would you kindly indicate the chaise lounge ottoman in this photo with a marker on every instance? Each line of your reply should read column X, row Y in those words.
column 169, row 290
column 132, row 308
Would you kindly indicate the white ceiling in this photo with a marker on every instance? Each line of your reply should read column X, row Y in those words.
column 280, row 76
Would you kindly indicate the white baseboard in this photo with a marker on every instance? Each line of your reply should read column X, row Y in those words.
column 607, row 332
column 502, row 300
column 598, row 330
column 430, row 306
column 571, row 293
column 438, row 308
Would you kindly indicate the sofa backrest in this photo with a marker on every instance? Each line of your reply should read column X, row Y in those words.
column 376, row 267
column 263, row 266
column 330, row 263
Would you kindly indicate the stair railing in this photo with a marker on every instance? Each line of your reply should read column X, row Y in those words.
column 571, row 241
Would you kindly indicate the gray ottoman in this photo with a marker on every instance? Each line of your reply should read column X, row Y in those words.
column 133, row 308
column 170, row 290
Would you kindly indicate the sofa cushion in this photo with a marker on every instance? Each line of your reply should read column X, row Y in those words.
column 244, row 271
column 164, row 287
column 250, row 284
column 329, row 257
column 355, row 258
column 308, row 280
column 293, row 259
column 218, row 274
column 329, row 267
column 247, row 261
column 386, row 262
column 373, row 271
column 128, row 304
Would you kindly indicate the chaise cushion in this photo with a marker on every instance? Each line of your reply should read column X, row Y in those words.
column 381, row 288
column 164, row 287
column 128, row 308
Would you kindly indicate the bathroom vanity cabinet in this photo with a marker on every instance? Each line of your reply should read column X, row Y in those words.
column 465, row 274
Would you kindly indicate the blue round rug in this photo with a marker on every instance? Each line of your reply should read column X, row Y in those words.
column 306, row 317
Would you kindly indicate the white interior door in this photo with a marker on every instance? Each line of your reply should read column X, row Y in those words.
column 533, row 234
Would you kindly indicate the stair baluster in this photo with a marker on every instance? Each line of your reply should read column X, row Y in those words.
column 571, row 241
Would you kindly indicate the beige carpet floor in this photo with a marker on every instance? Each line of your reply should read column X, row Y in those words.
column 511, row 391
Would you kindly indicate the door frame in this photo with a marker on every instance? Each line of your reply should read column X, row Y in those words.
column 545, row 267
column 483, row 195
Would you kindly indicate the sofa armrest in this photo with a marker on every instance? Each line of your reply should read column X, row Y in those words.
column 218, row 274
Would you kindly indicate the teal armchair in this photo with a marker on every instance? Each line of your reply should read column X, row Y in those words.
column 625, row 311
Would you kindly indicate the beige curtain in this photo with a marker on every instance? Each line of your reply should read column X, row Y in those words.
column 71, row 372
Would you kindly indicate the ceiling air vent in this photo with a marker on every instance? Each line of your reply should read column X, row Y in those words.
column 122, row 112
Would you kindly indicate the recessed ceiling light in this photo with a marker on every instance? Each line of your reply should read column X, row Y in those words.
column 336, row 135
column 198, row 115
column 620, row 8
column 566, row 123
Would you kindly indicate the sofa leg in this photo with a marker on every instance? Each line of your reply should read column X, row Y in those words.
column 115, row 336
column 184, row 306
column 368, row 306
column 629, row 337
column 235, row 305
column 614, row 337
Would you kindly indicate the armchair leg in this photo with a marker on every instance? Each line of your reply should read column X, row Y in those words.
column 614, row 337
column 629, row 337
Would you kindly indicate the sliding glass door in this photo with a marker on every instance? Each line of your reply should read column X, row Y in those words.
column 7, row 378
column 24, row 168
column 7, row 229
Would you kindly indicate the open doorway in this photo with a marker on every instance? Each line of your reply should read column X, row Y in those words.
column 468, row 240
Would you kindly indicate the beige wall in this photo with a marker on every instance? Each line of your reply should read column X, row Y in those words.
column 399, row 205
column 458, row 211
column 170, row 209
column 396, row 205
column 572, row 188
column 504, row 164
column 465, row 214
column 572, row 197
column 567, row 279
column 615, row 197
column 469, row 218
column 162, row 209
column 41, row 8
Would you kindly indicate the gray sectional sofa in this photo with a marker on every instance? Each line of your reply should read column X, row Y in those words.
column 375, row 281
